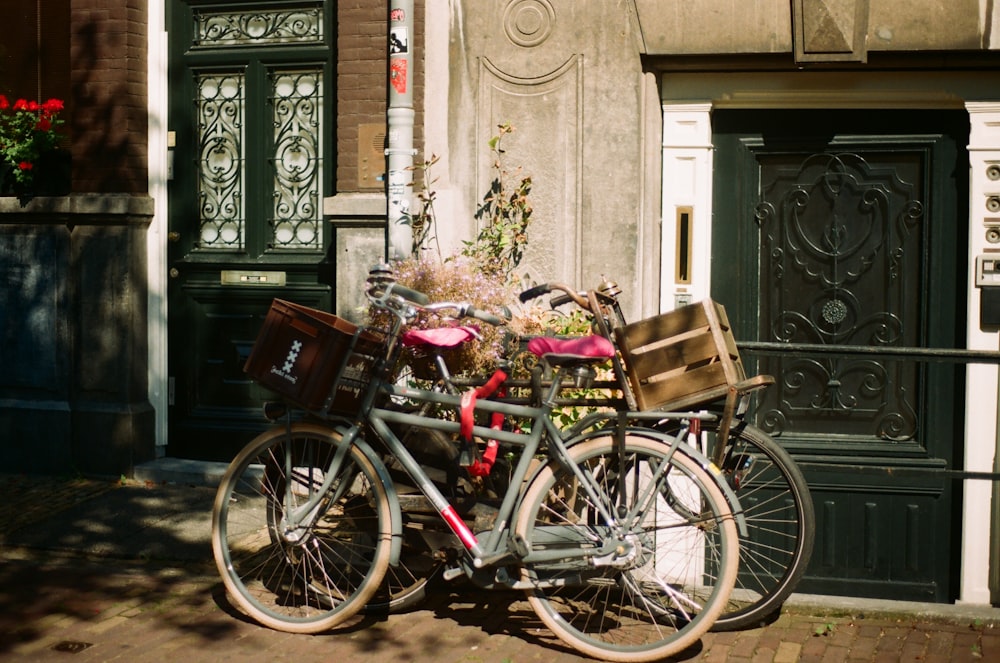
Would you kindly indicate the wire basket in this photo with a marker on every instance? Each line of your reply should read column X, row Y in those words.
column 314, row 359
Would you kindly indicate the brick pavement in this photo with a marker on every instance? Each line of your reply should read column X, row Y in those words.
column 65, row 606
column 27, row 499
column 70, row 608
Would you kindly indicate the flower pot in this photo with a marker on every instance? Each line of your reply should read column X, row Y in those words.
column 50, row 176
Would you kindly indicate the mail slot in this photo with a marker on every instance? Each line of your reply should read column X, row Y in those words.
column 241, row 277
column 988, row 281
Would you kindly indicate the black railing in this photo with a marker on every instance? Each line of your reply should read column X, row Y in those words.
column 938, row 355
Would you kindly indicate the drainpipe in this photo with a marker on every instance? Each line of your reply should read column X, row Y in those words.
column 400, row 128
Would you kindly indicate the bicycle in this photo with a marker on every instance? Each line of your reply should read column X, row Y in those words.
column 626, row 546
column 773, row 493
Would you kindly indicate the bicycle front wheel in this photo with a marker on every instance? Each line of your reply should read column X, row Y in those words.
column 673, row 568
column 293, row 558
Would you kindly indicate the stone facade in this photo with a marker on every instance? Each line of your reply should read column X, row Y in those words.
column 74, row 390
column 73, row 394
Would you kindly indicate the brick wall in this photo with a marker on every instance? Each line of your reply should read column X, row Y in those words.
column 362, row 92
column 34, row 54
column 108, row 72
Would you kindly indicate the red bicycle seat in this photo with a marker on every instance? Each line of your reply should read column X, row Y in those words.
column 567, row 350
column 439, row 337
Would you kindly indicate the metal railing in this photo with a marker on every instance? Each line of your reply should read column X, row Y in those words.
column 927, row 355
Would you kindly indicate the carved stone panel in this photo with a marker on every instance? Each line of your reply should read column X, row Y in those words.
column 568, row 77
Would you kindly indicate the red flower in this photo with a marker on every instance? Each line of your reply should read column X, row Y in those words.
column 44, row 124
column 51, row 106
column 25, row 165
column 4, row 104
column 20, row 105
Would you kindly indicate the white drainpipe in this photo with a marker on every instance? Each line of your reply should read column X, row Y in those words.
column 400, row 128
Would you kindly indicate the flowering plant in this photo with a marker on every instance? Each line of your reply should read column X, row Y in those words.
column 484, row 274
column 28, row 131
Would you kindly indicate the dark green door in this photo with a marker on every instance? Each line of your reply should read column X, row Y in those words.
column 848, row 229
column 249, row 112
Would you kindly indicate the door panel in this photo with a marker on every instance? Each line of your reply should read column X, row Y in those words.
column 841, row 248
column 848, row 229
column 248, row 88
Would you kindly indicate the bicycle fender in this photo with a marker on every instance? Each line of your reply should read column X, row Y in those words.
column 395, row 513
column 694, row 453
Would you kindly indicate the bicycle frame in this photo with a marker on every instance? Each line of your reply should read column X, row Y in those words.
column 493, row 550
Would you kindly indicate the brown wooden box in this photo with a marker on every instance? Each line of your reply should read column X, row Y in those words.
column 681, row 359
column 313, row 358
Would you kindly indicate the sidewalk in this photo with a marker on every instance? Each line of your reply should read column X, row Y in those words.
column 111, row 570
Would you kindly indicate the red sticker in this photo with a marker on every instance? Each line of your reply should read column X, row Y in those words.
column 397, row 75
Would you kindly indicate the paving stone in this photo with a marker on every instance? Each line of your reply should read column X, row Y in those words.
column 77, row 573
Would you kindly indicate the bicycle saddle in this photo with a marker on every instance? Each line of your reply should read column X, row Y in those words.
column 439, row 337
column 568, row 351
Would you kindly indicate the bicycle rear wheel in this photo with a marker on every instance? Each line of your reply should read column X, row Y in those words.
column 429, row 545
column 781, row 526
column 675, row 564
column 307, row 572
column 425, row 535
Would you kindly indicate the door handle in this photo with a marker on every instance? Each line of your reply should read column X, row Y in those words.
column 173, row 236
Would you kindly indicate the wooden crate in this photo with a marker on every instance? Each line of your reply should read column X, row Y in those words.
column 685, row 358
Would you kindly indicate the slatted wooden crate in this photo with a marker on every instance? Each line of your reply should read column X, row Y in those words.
column 685, row 358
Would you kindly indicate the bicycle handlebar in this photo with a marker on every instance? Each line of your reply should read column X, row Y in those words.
column 410, row 295
column 419, row 300
column 571, row 295
column 533, row 293
column 484, row 316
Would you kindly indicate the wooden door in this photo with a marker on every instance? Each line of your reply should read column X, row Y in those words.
column 848, row 229
column 251, row 121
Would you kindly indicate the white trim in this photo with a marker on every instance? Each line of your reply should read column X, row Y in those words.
column 981, row 379
column 687, row 182
column 442, row 20
column 156, row 242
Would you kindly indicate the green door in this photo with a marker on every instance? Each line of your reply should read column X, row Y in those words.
column 251, row 125
column 848, row 228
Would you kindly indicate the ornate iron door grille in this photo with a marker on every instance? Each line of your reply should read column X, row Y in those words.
column 841, row 254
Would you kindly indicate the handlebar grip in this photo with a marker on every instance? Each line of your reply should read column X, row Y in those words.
column 488, row 318
column 537, row 291
column 410, row 295
column 560, row 300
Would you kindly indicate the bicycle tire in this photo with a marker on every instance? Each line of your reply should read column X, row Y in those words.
column 429, row 545
column 781, row 523
column 679, row 571
column 405, row 585
column 315, row 576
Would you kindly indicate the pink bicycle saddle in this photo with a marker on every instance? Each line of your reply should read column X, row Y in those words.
column 565, row 350
column 439, row 337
